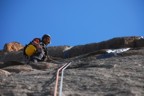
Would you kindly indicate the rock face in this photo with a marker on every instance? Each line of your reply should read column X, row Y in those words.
column 4, row 73
column 12, row 56
column 13, row 46
column 120, row 75
column 96, row 73
column 115, row 43
column 57, row 51
column 139, row 43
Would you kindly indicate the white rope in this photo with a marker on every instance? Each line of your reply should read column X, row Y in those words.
column 57, row 77
column 61, row 81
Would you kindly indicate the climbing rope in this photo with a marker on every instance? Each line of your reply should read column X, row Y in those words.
column 61, row 80
column 57, row 78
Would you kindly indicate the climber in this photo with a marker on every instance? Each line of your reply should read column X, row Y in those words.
column 36, row 50
column 45, row 41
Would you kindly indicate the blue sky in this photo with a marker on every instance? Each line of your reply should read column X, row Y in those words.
column 70, row 22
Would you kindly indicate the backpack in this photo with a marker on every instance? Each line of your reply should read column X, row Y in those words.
column 31, row 48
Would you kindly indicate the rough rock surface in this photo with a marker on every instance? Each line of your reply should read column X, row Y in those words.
column 115, row 43
column 57, row 51
column 93, row 74
column 4, row 73
column 13, row 46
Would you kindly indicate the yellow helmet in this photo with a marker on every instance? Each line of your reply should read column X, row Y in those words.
column 30, row 50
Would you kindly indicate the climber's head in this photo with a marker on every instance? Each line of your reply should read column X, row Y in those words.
column 46, row 39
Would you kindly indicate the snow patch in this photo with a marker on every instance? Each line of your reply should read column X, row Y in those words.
column 141, row 37
column 67, row 48
column 117, row 50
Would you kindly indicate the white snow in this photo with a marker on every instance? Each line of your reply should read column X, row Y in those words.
column 141, row 37
column 117, row 50
column 67, row 48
